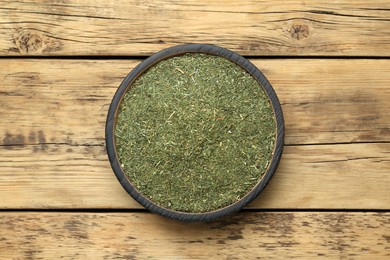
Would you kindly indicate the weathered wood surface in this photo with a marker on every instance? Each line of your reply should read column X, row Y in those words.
column 53, row 111
column 145, row 236
column 66, row 101
column 52, row 134
column 344, row 176
column 143, row 27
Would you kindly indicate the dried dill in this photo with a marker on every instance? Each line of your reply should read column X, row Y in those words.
column 195, row 133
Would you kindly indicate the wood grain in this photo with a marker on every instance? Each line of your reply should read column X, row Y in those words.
column 66, row 101
column 144, row 236
column 53, row 114
column 344, row 176
column 250, row 27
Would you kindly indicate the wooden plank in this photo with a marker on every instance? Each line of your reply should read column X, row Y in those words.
column 66, row 101
column 52, row 134
column 344, row 176
column 144, row 236
column 143, row 27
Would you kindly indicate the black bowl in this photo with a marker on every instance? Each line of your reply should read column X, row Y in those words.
column 143, row 67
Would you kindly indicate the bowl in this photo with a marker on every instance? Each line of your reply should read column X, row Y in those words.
column 194, row 132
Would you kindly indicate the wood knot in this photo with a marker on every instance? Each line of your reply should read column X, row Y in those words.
column 299, row 31
column 29, row 42
column 33, row 42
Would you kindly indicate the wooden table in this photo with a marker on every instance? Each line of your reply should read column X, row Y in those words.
column 62, row 61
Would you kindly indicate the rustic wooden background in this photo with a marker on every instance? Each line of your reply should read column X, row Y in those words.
column 61, row 62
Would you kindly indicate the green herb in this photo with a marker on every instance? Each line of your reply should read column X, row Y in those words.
column 195, row 133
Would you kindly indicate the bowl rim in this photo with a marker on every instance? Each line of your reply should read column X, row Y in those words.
column 142, row 68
